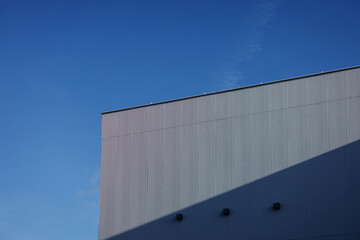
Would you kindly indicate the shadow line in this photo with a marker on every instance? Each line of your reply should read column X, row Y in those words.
column 320, row 199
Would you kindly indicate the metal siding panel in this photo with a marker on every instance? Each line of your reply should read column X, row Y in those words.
column 278, row 96
column 122, row 180
column 352, row 186
column 155, row 174
column 318, row 200
column 297, row 92
column 279, row 190
column 315, row 195
column 279, row 138
column 353, row 237
column 298, row 137
column 188, row 110
column 337, row 123
column 259, row 99
column 123, row 123
column 138, row 193
column 352, row 78
column 315, row 89
column 205, row 108
column 242, row 145
column 224, row 155
column 108, row 125
column 213, row 157
column 223, row 105
column 107, row 188
column 353, row 113
column 171, row 187
column 335, row 86
column 298, row 204
column 300, row 210
column 340, row 186
column 318, row 130
column 155, row 117
column 259, row 134
column 189, row 168
column 138, row 120
column 206, row 136
column 241, row 102
column 171, row 114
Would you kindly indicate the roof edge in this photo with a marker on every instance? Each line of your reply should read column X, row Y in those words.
column 233, row 89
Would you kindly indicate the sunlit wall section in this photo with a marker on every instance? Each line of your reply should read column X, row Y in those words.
column 157, row 159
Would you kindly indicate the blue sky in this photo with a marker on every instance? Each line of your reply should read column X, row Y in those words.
column 62, row 63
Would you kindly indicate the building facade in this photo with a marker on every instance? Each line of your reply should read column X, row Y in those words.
column 293, row 142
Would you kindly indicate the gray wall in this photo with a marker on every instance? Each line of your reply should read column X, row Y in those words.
column 159, row 159
column 319, row 200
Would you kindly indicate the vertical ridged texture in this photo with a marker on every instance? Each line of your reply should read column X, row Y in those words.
column 159, row 159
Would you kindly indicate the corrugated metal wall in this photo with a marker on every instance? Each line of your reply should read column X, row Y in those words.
column 158, row 159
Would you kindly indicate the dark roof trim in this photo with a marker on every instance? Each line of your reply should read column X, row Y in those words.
column 234, row 89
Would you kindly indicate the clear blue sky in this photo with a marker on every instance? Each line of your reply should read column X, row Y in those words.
column 62, row 63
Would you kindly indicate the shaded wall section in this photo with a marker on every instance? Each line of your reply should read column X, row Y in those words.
column 162, row 158
column 319, row 199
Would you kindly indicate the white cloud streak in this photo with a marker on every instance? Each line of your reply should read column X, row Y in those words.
column 250, row 44
column 89, row 196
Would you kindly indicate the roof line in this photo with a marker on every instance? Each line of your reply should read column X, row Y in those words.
column 233, row 89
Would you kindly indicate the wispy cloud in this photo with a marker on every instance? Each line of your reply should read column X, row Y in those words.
column 232, row 79
column 95, row 178
column 250, row 43
column 88, row 196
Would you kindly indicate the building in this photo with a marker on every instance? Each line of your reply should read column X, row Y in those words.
column 282, row 158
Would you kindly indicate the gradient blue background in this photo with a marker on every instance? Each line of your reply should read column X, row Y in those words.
column 62, row 63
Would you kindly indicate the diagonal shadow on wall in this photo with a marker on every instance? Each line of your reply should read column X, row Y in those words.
column 320, row 199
